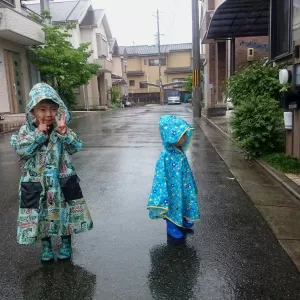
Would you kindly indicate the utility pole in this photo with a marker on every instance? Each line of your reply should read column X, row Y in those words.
column 159, row 60
column 196, row 60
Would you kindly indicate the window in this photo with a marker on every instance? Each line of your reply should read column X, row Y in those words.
column 281, row 30
column 143, row 85
column 180, row 85
column 131, row 83
column 145, row 62
column 155, row 62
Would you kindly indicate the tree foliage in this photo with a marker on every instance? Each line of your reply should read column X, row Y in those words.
column 189, row 82
column 62, row 65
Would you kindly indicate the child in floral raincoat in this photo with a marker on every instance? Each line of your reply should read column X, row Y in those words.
column 174, row 192
column 50, row 198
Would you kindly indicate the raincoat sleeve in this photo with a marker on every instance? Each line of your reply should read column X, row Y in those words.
column 26, row 142
column 71, row 141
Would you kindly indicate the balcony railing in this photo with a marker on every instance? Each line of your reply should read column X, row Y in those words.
column 105, row 65
column 16, row 27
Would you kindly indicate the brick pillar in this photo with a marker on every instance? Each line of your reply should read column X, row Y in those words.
column 212, row 77
column 216, row 74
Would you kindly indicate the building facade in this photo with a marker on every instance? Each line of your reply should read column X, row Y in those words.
column 281, row 21
column 227, row 54
column 119, row 72
column 91, row 27
column 17, row 74
column 143, row 66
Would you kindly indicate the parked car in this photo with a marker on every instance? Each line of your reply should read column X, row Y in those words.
column 229, row 104
column 174, row 97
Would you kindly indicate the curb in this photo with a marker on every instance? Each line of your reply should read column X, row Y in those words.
column 287, row 183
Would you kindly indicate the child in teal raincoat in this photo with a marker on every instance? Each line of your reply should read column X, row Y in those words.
column 174, row 192
column 50, row 198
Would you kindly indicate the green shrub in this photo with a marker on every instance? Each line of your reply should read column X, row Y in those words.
column 257, row 125
column 282, row 162
column 255, row 80
column 115, row 96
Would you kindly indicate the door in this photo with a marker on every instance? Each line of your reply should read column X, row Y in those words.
column 15, row 82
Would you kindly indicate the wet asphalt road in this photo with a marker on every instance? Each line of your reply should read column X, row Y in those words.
column 232, row 253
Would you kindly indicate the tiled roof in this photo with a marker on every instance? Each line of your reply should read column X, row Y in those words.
column 93, row 17
column 151, row 50
column 62, row 11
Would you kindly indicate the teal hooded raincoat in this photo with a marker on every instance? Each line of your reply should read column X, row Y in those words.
column 174, row 191
column 50, row 198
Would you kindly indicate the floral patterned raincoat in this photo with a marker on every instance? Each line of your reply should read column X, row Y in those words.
column 50, row 198
column 174, row 191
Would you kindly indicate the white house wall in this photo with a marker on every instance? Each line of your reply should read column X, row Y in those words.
column 94, row 43
column 76, row 37
column 86, row 37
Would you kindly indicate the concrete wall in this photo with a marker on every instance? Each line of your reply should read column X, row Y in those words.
column 134, row 63
column 179, row 59
column 117, row 66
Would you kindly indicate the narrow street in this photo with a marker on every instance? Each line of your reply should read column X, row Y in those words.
column 232, row 253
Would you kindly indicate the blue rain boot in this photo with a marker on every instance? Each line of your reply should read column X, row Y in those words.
column 66, row 248
column 187, row 224
column 47, row 254
column 174, row 231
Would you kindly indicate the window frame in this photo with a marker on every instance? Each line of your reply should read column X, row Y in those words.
column 180, row 85
column 273, row 36
column 163, row 62
column 143, row 84
column 131, row 81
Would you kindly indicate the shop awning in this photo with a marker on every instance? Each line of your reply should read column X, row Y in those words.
column 239, row 18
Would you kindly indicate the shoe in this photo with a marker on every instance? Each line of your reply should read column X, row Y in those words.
column 47, row 254
column 174, row 231
column 187, row 224
column 66, row 248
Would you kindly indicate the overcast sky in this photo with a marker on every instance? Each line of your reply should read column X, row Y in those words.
column 132, row 21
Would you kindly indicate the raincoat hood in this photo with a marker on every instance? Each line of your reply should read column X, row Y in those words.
column 40, row 92
column 172, row 128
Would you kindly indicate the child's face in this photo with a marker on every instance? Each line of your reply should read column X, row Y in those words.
column 182, row 141
column 45, row 112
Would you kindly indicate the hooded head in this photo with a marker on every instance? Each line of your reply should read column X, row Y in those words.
column 40, row 92
column 172, row 128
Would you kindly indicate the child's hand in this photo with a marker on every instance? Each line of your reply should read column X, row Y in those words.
column 43, row 127
column 61, row 124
